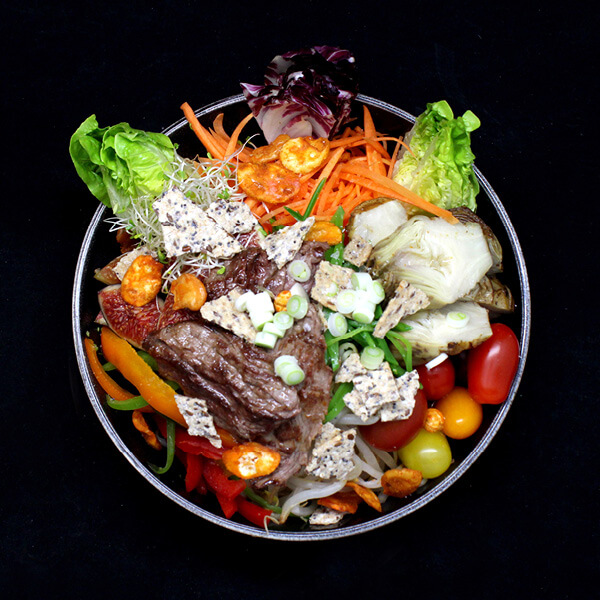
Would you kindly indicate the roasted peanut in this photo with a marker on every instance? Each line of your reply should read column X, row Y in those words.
column 401, row 482
column 303, row 155
column 270, row 183
column 250, row 460
column 188, row 292
column 142, row 281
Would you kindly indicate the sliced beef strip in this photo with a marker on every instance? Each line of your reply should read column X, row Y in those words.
column 243, row 394
column 251, row 269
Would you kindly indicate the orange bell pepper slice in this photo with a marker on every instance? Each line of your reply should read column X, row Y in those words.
column 107, row 383
column 150, row 386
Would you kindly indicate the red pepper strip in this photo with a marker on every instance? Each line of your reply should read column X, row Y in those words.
column 228, row 505
column 219, row 483
column 193, row 473
column 201, row 487
column 254, row 514
column 192, row 444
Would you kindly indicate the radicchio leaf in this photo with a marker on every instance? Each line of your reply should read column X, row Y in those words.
column 305, row 92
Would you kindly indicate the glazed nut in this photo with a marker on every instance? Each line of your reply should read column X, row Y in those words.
column 401, row 482
column 434, row 420
column 324, row 231
column 188, row 292
column 142, row 281
column 251, row 460
column 281, row 300
column 369, row 496
column 303, row 155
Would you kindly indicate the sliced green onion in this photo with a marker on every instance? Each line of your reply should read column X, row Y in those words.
column 241, row 303
column 260, row 318
column 265, row 340
column 291, row 374
column 284, row 359
column 274, row 329
column 299, row 270
column 361, row 281
column 337, row 324
column 332, row 290
column 170, row 449
column 297, row 307
column 371, row 358
column 346, row 349
column 375, row 292
column 364, row 313
column 254, row 497
column 131, row 404
column 283, row 320
column 346, row 301
column 457, row 320
column 298, row 290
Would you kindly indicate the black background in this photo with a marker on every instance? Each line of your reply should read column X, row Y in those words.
column 76, row 521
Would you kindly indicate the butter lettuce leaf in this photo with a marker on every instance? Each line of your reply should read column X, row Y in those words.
column 120, row 163
column 439, row 167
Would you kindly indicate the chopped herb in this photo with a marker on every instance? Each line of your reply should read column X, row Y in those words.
column 221, row 270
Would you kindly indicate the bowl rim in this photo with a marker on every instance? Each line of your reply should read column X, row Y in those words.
column 309, row 535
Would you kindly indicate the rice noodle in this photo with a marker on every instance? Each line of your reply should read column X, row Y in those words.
column 307, row 490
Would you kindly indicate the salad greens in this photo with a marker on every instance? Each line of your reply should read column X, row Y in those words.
column 119, row 163
column 439, row 167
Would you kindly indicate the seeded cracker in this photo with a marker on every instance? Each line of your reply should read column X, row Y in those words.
column 326, row 275
column 357, row 251
column 233, row 217
column 351, row 368
column 324, row 516
column 407, row 386
column 187, row 228
column 199, row 421
column 406, row 301
column 222, row 311
column 332, row 453
column 281, row 246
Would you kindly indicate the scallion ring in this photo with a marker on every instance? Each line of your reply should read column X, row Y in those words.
column 299, row 270
column 283, row 320
column 337, row 324
column 297, row 307
column 346, row 301
column 361, row 281
column 291, row 374
column 371, row 357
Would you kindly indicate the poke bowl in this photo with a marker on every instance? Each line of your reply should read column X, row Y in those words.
column 98, row 249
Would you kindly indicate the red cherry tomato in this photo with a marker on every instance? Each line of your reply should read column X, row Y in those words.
column 437, row 382
column 492, row 366
column 392, row 435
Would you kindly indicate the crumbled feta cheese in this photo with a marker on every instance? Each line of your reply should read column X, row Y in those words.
column 407, row 300
column 199, row 421
column 281, row 246
column 327, row 278
column 324, row 516
column 332, row 453
column 187, row 228
column 408, row 386
column 357, row 251
column 233, row 217
column 222, row 311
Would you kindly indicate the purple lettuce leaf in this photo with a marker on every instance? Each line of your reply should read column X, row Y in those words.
column 305, row 92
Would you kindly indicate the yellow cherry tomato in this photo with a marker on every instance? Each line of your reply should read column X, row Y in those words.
column 462, row 415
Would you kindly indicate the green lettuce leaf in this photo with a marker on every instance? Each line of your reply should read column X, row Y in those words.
column 440, row 168
column 119, row 163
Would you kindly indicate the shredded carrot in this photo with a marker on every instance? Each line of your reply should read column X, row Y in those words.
column 203, row 134
column 236, row 134
column 398, row 191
